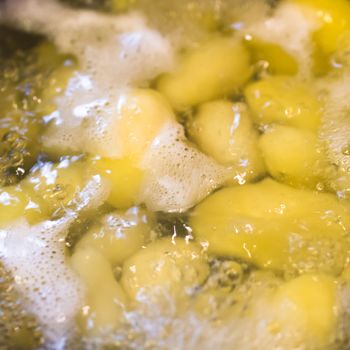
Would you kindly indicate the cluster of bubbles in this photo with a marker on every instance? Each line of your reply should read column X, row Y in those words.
column 18, row 329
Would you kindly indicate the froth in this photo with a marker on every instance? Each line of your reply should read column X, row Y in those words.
column 334, row 131
column 36, row 257
column 83, row 121
column 116, row 50
column 177, row 175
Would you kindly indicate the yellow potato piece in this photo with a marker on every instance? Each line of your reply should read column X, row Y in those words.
column 292, row 155
column 224, row 131
column 166, row 266
column 283, row 100
column 275, row 226
column 125, row 178
column 118, row 235
column 105, row 299
column 334, row 17
column 55, row 186
column 141, row 114
column 61, row 68
column 16, row 203
column 279, row 61
column 218, row 68
column 268, row 313
column 309, row 304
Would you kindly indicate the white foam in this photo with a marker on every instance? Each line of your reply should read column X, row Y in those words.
column 94, row 194
column 291, row 28
column 178, row 176
column 116, row 50
column 36, row 257
column 335, row 131
column 84, row 119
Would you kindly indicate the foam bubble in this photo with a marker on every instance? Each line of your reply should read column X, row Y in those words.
column 336, row 91
column 177, row 176
column 117, row 50
column 83, row 119
column 36, row 257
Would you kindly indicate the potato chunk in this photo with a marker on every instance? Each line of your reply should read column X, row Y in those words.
column 224, row 131
column 279, row 61
column 217, row 68
column 119, row 235
column 62, row 68
column 275, row 226
column 334, row 17
column 54, row 186
column 15, row 203
column 300, row 311
column 164, row 267
column 141, row 114
column 292, row 155
column 125, row 178
column 284, row 101
column 105, row 299
column 267, row 313
column 308, row 304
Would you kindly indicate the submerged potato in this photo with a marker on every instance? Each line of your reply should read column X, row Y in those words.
column 105, row 299
column 224, row 131
column 164, row 267
column 292, row 155
column 118, row 235
column 276, row 226
column 216, row 69
column 283, row 100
